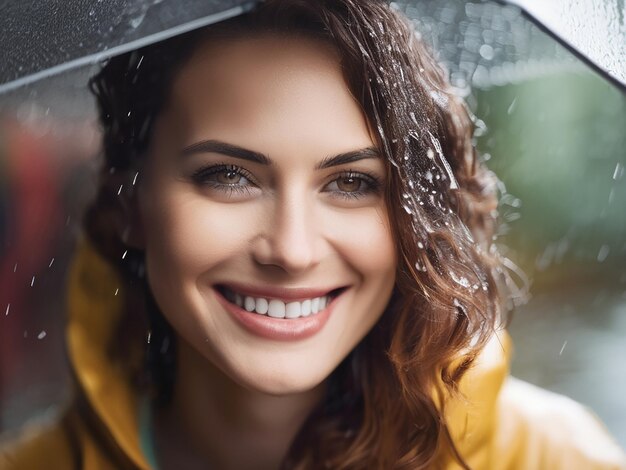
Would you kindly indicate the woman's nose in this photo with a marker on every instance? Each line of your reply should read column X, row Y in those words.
column 290, row 238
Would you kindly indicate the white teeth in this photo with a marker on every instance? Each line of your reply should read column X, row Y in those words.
column 262, row 305
column 248, row 304
column 292, row 310
column 276, row 309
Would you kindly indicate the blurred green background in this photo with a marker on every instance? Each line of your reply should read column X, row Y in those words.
column 558, row 143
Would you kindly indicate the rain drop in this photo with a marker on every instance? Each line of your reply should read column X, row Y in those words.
column 42, row 334
column 135, row 22
column 603, row 253
column 462, row 281
column 7, row 310
column 619, row 171
column 512, row 106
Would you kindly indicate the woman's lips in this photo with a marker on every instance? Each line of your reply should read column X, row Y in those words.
column 283, row 318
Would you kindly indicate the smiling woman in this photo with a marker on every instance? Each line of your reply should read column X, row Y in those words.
column 289, row 264
column 268, row 211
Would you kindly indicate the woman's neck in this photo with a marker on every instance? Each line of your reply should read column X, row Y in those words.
column 213, row 421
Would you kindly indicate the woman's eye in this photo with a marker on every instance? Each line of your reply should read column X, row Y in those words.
column 353, row 185
column 229, row 178
column 350, row 184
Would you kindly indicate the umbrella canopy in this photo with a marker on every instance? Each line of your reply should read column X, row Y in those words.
column 41, row 39
column 594, row 30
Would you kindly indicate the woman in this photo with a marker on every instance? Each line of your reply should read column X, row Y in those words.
column 289, row 264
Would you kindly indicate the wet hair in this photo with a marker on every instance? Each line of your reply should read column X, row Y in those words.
column 385, row 405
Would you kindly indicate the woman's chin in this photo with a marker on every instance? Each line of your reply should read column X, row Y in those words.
column 280, row 381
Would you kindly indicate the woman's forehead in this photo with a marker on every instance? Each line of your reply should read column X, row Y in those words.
column 269, row 87
column 258, row 61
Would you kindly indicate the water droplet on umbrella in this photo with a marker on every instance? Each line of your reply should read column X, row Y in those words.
column 486, row 52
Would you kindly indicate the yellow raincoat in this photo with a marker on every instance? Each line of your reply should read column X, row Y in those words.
column 503, row 423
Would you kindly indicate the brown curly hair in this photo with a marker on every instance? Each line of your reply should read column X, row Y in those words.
column 384, row 407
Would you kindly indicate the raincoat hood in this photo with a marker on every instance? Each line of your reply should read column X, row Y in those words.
column 501, row 423
column 95, row 300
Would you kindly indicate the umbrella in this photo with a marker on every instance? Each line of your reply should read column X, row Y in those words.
column 593, row 30
column 41, row 39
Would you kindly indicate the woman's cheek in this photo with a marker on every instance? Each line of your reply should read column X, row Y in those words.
column 363, row 238
column 189, row 233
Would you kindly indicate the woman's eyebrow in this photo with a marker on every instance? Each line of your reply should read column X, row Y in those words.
column 348, row 157
column 216, row 146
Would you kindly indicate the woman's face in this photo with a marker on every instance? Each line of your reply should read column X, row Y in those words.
column 262, row 213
